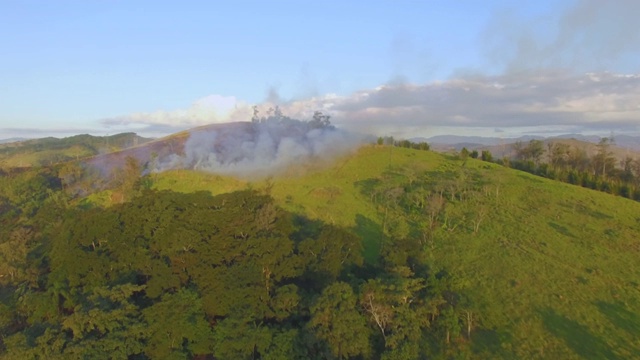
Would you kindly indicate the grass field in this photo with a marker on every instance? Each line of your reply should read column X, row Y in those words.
column 550, row 271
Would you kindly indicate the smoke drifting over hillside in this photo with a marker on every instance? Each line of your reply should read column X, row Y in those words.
column 260, row 148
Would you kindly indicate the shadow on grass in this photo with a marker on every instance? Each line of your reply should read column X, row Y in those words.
column 487, row 341
column 371, row 234
column 620, row 317
column 576, row 336
column 561, row 229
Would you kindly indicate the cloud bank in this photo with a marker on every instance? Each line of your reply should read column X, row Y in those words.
column 535, row 101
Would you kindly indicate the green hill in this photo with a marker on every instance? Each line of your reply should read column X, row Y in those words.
column 468, row 258
column 550, row 272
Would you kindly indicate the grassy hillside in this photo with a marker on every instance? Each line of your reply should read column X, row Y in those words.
column 543, row 269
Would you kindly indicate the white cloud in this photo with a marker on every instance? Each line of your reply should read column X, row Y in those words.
column 211, row 109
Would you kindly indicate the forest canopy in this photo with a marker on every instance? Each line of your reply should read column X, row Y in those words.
column 192, row 275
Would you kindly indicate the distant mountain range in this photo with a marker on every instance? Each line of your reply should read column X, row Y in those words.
column 10, row 140
column 458, row 142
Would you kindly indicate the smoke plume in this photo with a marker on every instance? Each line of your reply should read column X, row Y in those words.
column 263, row 147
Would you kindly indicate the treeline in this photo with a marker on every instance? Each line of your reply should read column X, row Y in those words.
column 390, row 141
column 169, row 275
column 571, row 164
column 319, row 120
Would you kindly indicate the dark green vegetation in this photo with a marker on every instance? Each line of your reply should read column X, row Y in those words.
column 388, row 140
column 48, row 151
column 560, row 161
column 390, row 253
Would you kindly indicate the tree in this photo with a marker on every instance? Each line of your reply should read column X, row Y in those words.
column 578, row 160
column 377, row 305
column 329, row 253
column 389, row 141
column 534, row 150
column 481, row 213
column 131, row 175
column 13, row 259
column 335, row 320
column 127, row 178
column 450, row 323
column 626, row 173
column 69, row 174
column 396, row 307
column 486, row 156
column 238, row 338
column 177, row 325
column 559, row 155
column 320, row 120
column 518, row 148
column 464, row 153
column 531, row 152
column 603, row 162
column 109, row 322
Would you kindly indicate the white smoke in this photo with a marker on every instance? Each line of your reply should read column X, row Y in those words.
column 261, row 148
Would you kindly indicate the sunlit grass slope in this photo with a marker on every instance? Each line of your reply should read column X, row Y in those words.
column 549, row 270
column 330, row 193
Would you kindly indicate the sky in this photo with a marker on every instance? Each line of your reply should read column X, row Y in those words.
column 401, row 68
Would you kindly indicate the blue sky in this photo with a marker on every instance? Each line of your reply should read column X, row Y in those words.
column 106, row 66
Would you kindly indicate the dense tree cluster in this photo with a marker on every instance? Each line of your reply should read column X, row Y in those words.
column 275, row 115
column 600, row 171
column 170, row 275
column 389, row 140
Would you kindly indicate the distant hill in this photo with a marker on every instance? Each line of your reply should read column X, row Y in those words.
column 11, row 140
column 50, row 150
column 627, row 141
column 162, row 148
column 590, row 148
column 457, row 142
column 623, row 146
column 480, row 140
